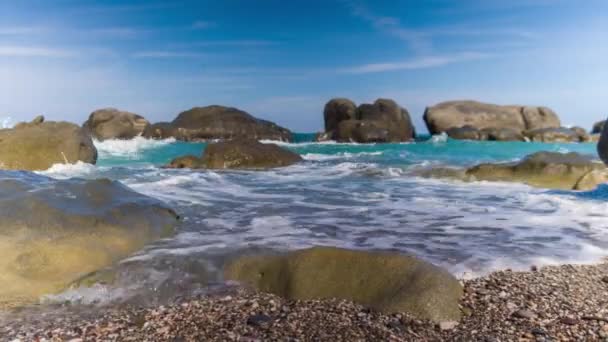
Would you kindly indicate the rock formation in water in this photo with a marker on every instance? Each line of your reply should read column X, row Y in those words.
column 386, row 281
column 53, row 232
column 474, row 120
column 382, row 121
column 238, row 154
column 568, row 171
column 110, row 123
column 217, row 122
column 39, row 144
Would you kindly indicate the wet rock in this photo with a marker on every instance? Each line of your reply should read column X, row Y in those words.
column 385, row 281
column 40, row 144
column 246, row 154
column 217, row 122
column 111, row 123
column 54, row 232
column 185, row 162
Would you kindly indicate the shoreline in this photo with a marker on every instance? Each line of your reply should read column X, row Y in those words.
column 552, row 303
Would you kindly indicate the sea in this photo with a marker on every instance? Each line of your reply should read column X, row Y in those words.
column 359, row 196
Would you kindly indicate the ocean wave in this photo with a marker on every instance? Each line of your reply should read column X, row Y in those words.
column 342, row 155
column 64, row 171
column 439, row 138
column 130, row 149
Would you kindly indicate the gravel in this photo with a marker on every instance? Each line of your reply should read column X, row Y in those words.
column 561, row 303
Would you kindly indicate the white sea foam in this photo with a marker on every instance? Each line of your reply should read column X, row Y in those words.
column 342, row 155
column 130, row 149
column 439, row 138
column 65, row 171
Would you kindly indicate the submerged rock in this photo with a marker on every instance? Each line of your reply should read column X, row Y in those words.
column 216, row 122
column 111, row 123
column 484, row 121
column 54, row 232
column 40, row 144
column 238, row 154
column 382, row 121
column 385, row 281
column 568, row 171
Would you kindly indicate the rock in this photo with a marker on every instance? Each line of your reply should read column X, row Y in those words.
column 217, row 122
column 602, row 145
column 466, row 133
column 259, row 320
column 605, row 279
column 541, row 169
column 246, row 154
column 568, row 320
column 38, row 145
column 111, row 123
column 382, row 121
column 53, row 232
column 592, row 179
column 598, row 127
column 447, row 325
column 338, row 110
column 582, row 134
column 185, row 162
column 385, row 281
column 501, row 134
column 524, row 313
column 454, row 114
column 560, row 134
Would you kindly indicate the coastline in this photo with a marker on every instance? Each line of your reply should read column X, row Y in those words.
column 552, row 303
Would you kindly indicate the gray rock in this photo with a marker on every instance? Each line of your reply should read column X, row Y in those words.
column 111, row 123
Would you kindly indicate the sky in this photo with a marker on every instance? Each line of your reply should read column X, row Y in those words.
column 283, row 60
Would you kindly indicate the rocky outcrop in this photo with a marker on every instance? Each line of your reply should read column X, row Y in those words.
column 479, row 116
column 389, row 282
column 40, row 144
column 602, row 145
column 382, row 121
column 238, row 154
column 570, row 171
column 111, row 123
column 53, row 232
column 216, row 122
column 598, row 127
column 561, row 134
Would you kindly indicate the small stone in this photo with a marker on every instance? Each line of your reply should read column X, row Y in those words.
column 502, row 294
column 605, row 279
column 448, row 325
column 524, row 313
column 534, row 268
column 538, row 332
column 568, row 320
column 259, row 320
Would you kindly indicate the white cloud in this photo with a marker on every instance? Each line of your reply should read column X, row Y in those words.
column 34, row 51
column 159, row 54
column 22, row 30
column 416, row 63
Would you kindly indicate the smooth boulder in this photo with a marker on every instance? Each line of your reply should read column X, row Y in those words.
column 111, row 123
column 40, row 144
column 566, row 171
column 53, row 232
column 238, row 154
column 380, row 122
column 385, row 281
column 478, row 115
column 217, row 122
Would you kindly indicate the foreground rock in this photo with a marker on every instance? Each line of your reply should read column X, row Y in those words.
column 111, row 123
column 598, row 127
column 382, row 121
column 53, row 232
column 602, row 145
column 570, row 171
column 217, row 122
column 385, row 281
column 238, row 154
column 38, row 145
column 560, row 303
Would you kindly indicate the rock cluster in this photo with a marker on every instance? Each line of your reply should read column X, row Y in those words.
column 382, row 121
column 216, row 122
column 111, row 123
column 238, row 154
column 40, row 144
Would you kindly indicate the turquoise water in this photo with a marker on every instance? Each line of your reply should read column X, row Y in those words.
column 348, row 195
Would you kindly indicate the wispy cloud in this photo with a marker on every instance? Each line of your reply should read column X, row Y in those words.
column 125, row 32
column 416, row 63
column 235, row 43
column 162, row 54
column 203, row 24
column 22, row 30
column 34, row 51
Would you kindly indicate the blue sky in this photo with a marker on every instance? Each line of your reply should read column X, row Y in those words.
column 282, row 60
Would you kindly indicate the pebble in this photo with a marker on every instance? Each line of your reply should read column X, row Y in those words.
column 524, row 313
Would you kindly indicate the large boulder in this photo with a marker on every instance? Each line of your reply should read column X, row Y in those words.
column 38, row 145
column 382, row 121
column 598, row 127
column 217, row 122
column 238, row 154
column 567, row 171
column 454, row 114
column 53, row 232
column 111, row 123
column 602, row 145
column 389, row 282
